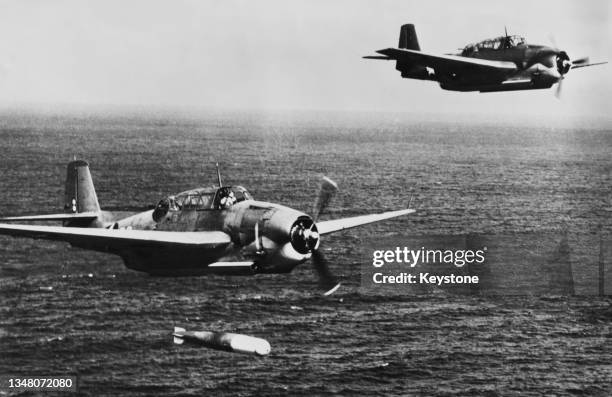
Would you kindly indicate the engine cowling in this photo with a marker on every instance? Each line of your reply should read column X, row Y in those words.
column 283, row 236
column 304, row 235
column 563, row 63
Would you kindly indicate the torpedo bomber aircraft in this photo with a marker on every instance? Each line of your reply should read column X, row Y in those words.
column 219, row 230
column 504, row 63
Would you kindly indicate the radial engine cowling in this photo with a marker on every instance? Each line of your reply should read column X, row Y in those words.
column 289, row 236
column 304, row 235
column 563, row 63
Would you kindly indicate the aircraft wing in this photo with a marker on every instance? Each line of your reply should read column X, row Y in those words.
column 584, row 65
column 113, row 239
column 326, row 227
column 446, row 62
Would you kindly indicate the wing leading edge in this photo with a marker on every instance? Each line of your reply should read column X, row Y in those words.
column 54, row 217
column 118, row 238
column 445, row 61
column 326, row 227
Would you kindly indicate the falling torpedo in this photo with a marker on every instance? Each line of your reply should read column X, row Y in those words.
column 223, row 341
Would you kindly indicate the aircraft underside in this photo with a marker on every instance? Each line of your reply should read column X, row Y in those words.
column 193, row 262
column 497, row 87
column 514, row 82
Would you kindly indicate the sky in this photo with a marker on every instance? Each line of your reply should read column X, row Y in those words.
column 285, row 54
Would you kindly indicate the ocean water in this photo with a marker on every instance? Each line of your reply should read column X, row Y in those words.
column 526, row 188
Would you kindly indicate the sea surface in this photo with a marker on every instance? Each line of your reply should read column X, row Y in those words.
column 539, row 194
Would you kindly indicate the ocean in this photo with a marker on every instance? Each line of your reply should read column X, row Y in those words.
column 539, row 193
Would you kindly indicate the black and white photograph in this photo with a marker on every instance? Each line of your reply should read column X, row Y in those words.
column 305, row 198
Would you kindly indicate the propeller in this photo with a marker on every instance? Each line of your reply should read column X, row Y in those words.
column 577, row 63
column 552, row 40
column 559, row 87
column 326, row 192
column 564, row 65
column 327, row 281
column 580, row 62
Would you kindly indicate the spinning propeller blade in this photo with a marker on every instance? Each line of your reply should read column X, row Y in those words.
column 559, row 88
column 327, row 280
column 552, row 40
column 565, row 64
column 580, row 61
column 326, row 193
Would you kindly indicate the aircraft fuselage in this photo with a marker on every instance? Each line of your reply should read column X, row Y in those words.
column 535, row 69
column 260, row 232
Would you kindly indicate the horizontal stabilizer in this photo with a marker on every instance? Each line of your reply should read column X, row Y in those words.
column 53, row 217
column 335, row 225
column 178, row 341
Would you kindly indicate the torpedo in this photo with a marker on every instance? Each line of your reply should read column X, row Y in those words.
column 223, row 341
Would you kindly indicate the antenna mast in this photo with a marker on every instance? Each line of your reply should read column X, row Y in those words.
column 219, row 175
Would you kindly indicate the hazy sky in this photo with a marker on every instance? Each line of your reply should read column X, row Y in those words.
column 268, row 54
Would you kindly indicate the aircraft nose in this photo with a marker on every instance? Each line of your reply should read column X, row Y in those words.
column 304, row 235
column 563, row 62
column 288, row 236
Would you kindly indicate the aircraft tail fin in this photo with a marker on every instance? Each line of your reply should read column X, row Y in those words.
column 80, row 193
column 408, row 38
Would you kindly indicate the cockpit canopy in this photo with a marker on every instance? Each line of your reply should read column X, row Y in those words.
column 203, row 199
column 498, row 43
